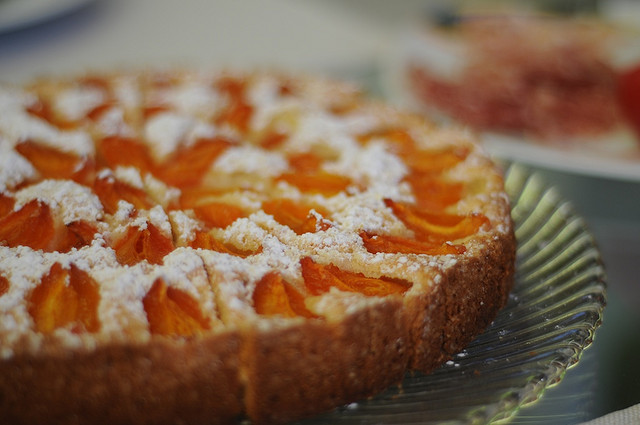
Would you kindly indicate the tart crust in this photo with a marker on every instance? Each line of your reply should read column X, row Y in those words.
column 231, row 359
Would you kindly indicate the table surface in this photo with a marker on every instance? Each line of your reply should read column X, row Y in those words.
column 348, row 39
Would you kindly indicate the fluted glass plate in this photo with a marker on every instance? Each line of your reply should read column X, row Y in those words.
column 551, row 316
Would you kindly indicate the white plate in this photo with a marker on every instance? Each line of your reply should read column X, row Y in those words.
column 590, row 163
column 613, row 156
column 19, row 14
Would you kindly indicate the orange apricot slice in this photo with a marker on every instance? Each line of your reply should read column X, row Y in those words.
column 151, row 110
column 218, row 214
column 172, row 312
column 436, row 227
column 124, row 151
column 319, row 182
column 418, row 160
column 237, row 114
column 6, row 204
column 42, row 109
column 95, row 113
column 74, row 235
column 188, row 165
column 55, row 164
column 272, row 140
column 305, row 162
column 432, row 193
column 206, row 241
column 31, row 225
column 141, row 244
column 295, row 215
column 274, row 296
column 231, row 86
column 111, row 191
column 65, row 297
column 197, row 195
column 397, row 244
column 399, row 140
column 433, row 162
column 319, row 278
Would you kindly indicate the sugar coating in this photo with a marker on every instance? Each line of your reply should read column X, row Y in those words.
column 69, row 200
column 223, row 284
column 194, row 98
column 318, row 127
column 184, row 226
column 372, row 165
column 112, row 123
column 19, row 126
column 76, row 102
column 247, row 159
column 129, row 175
column 166, row 131
column 14, row 168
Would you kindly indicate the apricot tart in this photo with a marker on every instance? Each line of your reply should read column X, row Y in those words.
column 184, row 247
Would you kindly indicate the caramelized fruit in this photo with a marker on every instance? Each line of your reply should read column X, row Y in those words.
column 305, row 162
column 272, row 139
column 31, row 225
column 319, row 278
column 432, row 162
column 111, row 191
column 275, row 296
column 54, row 164
column 295, row 215
column 318, row 182
column 74, row 235
column 6, row 205
column 205, row 240
column 398, row 244
column 140, row 244
column 65, row 297
column 42, row 109
column 173, row 312
column 433, row 193
column 420, row 161
column 188, row 165
column 124, row 151
column 238, row 111
column 436, row 228
column 218, row 214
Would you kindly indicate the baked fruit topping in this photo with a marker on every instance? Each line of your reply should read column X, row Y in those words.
column 209, row 247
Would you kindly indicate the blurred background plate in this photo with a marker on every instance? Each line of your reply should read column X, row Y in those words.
column 21, row 14
column 518, row 109
column 551, row 317
column 571, row 161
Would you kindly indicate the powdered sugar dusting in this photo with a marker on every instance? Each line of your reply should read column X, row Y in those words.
column 166, row 131
column 14, row 168
column 184, row 227
column 68, row 200
column 168, row 113
column 76, row 102
column 246, row 159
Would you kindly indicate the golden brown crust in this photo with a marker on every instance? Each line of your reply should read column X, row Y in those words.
column 317, row 366
column 462, row 305
column 165, row 381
